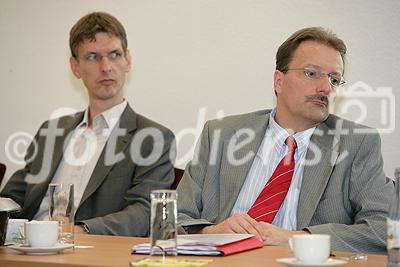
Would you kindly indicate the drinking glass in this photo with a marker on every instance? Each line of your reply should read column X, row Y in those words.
column 163, row 222
column 61, row 209
column 16, row 231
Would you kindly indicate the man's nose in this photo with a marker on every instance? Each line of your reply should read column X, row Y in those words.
column 325, row 86
column 105, row 64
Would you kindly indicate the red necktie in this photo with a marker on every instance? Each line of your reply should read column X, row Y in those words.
column 271, row 197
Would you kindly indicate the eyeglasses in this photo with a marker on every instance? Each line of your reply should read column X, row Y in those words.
column 336, row 80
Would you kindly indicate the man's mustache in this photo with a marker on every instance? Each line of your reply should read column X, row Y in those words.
column 322, row 98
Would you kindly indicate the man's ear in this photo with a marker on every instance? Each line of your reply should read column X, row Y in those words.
column 74, row 67
column 278, row 81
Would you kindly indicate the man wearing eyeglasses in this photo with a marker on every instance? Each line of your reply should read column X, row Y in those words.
column 112, row 155
column 295, row 169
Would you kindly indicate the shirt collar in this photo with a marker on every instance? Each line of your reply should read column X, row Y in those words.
column 85, row 120
column 280, row 134
column 107, row 119
column 113, row 114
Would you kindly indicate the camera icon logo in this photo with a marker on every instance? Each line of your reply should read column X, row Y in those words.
column 365, row 105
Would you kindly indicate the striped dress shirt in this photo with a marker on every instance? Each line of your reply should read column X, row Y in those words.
column 269, row 154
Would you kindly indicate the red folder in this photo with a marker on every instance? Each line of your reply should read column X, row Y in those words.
column 239, row 246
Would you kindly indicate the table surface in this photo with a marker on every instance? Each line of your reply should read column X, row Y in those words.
column 116, row 251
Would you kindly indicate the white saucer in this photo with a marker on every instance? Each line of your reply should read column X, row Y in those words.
column 295, row 262
column 41, row 250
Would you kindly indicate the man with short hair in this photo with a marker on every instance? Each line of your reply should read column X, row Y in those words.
column 295, row 169
column 112, row 155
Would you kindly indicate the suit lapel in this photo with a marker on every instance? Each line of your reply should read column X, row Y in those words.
column 100, row 172
column 316, row 176
column 234, row 175
column 53, row 157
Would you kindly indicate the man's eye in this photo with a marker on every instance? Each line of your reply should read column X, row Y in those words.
column 335, row 81
column 114, row 55
column 310, row 73
column 92, row 57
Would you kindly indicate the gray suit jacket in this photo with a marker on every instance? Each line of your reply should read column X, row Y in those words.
column 344, row 194
column 116, row 200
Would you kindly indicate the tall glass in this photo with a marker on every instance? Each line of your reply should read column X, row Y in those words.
column 61, row 209
column 163, row 223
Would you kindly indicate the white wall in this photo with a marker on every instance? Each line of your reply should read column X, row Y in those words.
column 188, row 55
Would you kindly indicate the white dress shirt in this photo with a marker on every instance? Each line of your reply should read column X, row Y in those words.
column 269, row 154
column 82, row 153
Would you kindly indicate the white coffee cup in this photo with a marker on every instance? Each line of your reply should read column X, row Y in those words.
column 311, row 249
column 15, row 230
column 41, row 233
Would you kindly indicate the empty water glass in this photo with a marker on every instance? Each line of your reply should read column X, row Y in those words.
column 163, row 224
column 61, row 209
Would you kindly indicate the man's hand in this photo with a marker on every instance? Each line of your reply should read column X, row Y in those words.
column 276, row 236
column 237, row 223
column 244, row 224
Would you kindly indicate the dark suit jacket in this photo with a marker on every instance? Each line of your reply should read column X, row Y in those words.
column 344, row 192
column 116, row 200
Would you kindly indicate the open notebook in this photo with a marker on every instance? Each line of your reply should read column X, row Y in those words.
column 209, row 244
